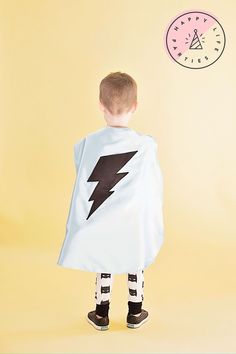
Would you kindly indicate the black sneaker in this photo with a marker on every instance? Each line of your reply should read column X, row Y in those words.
column 98, row 323
column 136, row 321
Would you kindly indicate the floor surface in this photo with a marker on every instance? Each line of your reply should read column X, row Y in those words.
column 190, row 296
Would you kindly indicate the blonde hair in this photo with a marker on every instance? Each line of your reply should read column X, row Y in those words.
column 118, row 92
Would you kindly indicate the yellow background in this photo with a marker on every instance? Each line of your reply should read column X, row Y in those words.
column 53, row 56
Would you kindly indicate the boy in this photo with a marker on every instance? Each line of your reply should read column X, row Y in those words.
column 115, row 221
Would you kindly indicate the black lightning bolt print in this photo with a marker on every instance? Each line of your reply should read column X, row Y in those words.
column 105, row 172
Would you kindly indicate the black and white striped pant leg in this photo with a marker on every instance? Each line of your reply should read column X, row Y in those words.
column 135, row 283
column 104, row 282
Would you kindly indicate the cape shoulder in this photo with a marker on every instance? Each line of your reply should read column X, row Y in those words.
column 78, row 152
column 153, row 141
column 80, row 144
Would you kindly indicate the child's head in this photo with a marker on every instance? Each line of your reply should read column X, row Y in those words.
column 118, row 97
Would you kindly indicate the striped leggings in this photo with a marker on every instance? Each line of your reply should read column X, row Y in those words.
column 104, row 282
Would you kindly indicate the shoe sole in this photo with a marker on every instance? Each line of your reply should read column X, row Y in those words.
column 100, row 328
column 136, row 325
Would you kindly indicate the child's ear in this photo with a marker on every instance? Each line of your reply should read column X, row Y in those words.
column 101, row 106
column 135, row 106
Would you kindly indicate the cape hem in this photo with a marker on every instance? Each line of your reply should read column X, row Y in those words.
column 106, row 271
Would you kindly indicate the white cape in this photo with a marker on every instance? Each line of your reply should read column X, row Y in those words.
column 115, row 221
